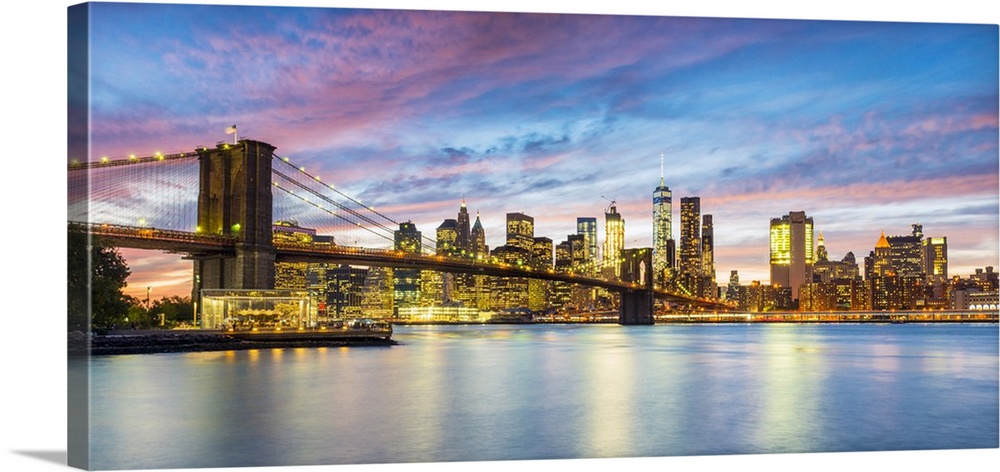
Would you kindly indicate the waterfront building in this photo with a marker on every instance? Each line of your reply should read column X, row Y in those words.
column 291, row 275
column 435, row 288
column 571, row 255
column 663, row 239
column 792, row 252
column 974, row 299
column 818, row 296
column 345, row 292
column 509, row 292
column 406, row 282
column 614, row 240
column 540, row 291
column 440, row 287
column 378, row 297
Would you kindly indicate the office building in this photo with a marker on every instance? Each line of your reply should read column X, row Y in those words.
column 406, row 282
column 935, row 254
column 792, row 251
column 520, row 231
column 708, row 249
column 663, row 239
column 689, row 261
column 614, row 239
column 587, row 227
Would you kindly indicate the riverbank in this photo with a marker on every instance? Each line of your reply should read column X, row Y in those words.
column 157, row 342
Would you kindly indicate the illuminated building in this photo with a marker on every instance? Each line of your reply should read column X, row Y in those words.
column 377, row 294
column 345, row 292
column 882, row 258
column 447, row 239
column 614, row 239
column 571, row 256
column 935, row 254
column 478, row 242
column 509, row 292
column 689, row 277
column 663, row 239
column 477, row 293
column 406, row 282
column 291, row 275
column 906, row 253
column 821, row 254
column 587, row 227
column 539, row 291
column 792, row 251
column 825, row 270
column 734, row 289
column 689, row 262
column 463, row 236
column 407, row 238
column 708, row 249
column 817, row 296
column 520, row 231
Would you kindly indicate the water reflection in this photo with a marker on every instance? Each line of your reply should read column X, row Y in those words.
column 535, row 392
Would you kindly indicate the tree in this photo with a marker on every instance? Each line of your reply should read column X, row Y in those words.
column 96, row 275
column 175, row 309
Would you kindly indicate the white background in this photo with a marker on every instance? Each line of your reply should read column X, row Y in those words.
column 32, row 313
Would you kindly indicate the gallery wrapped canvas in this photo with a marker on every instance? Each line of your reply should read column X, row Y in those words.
column 331, row 236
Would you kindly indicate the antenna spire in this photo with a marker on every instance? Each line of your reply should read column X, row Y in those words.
column 661, row 168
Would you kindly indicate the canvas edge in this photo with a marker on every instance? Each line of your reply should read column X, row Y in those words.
column 78, row 125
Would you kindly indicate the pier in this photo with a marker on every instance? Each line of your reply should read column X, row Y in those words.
column 915, row 316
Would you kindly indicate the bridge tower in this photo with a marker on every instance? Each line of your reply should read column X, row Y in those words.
column 636, row 307
column 234, row 199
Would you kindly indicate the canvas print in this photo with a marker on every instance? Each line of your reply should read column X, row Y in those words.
column 304, row 236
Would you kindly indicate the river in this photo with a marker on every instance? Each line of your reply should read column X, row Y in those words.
column 502, row 392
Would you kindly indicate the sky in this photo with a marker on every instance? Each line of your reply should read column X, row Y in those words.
column 867, row 126
column 35, row 105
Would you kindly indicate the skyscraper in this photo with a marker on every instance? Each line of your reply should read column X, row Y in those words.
column 907, row 253
column 708, row 249
column 587, row 227
column 520, row 231
column 447, row 239
column 792, row 250
column 614, row 238
column 663, row 238
column 463, row 238
column 935, row 251
column 406, row 282
column 689, row 263
column 478, row 240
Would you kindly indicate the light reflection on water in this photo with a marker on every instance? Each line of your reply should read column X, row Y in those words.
column 461, row 393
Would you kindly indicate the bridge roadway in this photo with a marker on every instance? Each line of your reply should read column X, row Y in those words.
column 194, row 244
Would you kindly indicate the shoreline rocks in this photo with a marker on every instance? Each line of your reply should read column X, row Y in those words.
column 81, row 344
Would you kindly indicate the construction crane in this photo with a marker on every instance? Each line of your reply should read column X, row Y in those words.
column 612, row 205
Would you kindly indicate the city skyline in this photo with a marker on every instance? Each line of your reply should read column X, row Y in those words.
column 865, row 126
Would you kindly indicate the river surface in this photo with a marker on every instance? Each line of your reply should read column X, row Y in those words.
column 487, row 393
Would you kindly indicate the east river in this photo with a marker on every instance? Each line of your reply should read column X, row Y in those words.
column 499, row 392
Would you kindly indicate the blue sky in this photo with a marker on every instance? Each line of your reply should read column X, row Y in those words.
column 866, row 126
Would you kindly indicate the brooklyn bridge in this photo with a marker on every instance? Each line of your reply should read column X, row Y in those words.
column 226, row 228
